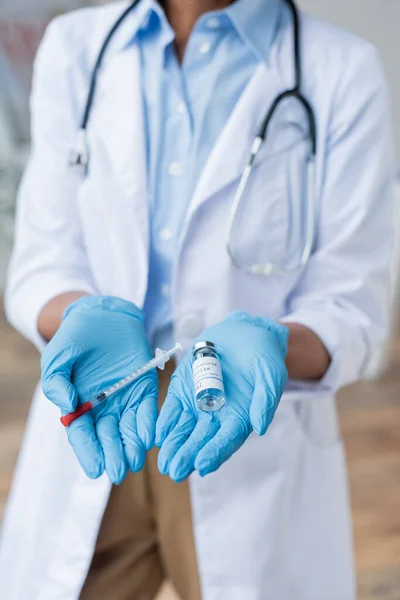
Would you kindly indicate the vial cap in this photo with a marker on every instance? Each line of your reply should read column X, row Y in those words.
column 201, row 345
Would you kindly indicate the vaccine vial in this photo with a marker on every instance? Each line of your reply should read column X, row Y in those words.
column 207, row 376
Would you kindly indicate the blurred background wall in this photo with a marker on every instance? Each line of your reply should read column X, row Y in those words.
column 377, row 21
column 369, row 411
column 22, row 23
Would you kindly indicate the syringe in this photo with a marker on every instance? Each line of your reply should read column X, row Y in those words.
column 160, row 359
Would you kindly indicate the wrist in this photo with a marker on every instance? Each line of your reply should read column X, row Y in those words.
column 307, row 358
column 50, row 317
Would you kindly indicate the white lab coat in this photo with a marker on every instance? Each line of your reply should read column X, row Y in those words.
column 273, row 522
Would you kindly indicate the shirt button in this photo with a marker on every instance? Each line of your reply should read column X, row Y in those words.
column 213, row 23
column 181, row 108
column 165, row 234
column 165, row 290
column 175, row 169
column 205, row 47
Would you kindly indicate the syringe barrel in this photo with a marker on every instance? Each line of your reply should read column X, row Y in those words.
column 161, row 357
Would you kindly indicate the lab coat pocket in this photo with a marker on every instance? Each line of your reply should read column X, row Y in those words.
column 316, row 421
column 270, row 222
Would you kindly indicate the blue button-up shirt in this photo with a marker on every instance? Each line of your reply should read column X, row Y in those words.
column 186, row 107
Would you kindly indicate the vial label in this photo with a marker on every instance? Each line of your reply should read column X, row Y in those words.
column 207, row 374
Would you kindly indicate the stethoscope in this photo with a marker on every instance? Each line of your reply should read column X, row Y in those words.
column 80, row 155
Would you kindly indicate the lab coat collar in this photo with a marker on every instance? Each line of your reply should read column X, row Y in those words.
column 118, row 123
column 138, row 18
column 231, row 151
column 229, row 156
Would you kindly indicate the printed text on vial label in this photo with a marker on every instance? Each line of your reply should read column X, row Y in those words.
column 207, row 374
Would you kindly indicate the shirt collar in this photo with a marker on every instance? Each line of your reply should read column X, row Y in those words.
column 257, row 22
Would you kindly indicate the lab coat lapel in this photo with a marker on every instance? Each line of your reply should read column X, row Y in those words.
column 232, row 149
column 119, row 127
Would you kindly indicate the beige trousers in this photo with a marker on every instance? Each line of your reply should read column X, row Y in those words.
column 146, row 536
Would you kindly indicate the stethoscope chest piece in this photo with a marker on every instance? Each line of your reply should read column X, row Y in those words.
column 79, row 155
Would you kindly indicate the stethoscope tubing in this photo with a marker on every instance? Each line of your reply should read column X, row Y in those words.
column 270, row 268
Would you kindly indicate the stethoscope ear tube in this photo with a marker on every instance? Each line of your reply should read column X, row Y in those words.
column 311, row 211
column 98, row 63
column 269, row 268
column 238, row 198
column 79, row 156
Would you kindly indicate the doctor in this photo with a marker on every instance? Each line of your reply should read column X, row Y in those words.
column 143, row 241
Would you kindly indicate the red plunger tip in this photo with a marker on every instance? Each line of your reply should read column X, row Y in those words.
column 71, row 417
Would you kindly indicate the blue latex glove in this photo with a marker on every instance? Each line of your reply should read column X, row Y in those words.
column 101, row 340
column 252, row 353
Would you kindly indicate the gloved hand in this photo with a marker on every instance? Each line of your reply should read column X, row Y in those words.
column 252, row 352
column 101, row 340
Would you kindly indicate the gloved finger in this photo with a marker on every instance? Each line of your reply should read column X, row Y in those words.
column 268, row 389
column 107, row 429
column 58, row 389
column 175, row 440
column 169, row 416
column 134, row 450
column 263, row 404
column 83, row 439
column 182, row 465
column 146, row 415
column 229, row 438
